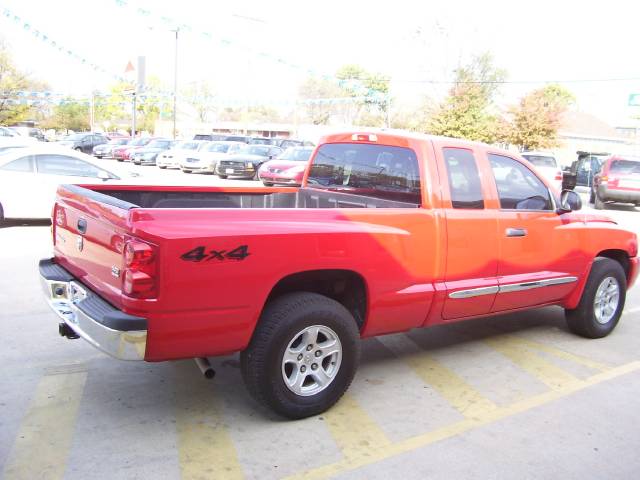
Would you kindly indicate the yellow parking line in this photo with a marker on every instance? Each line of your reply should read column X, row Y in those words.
column 44, row 439
column 552, row 376
column 205, row 448
column 556, row 352
column 376, row 455
column 353, row 429
column 464, row 398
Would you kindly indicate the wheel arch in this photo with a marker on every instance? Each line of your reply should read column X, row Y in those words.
column 620, row 256
column 347, row 287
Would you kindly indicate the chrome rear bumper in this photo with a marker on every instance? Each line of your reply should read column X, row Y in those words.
column 105, row 327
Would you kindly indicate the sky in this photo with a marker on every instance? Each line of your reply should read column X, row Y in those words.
column 261, row 51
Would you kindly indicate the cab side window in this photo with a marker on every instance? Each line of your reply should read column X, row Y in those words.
column 464, row 178
column 518, row 187
column 24, row 164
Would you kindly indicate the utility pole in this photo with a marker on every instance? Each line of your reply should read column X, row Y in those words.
column 133, row 114
column 175, row 83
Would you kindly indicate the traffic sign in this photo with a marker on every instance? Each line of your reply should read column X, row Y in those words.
column 634, row 100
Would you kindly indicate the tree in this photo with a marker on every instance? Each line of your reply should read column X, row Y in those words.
column 13, row 83
column 200, row 96
column 536, row 119
column 468, row 111
column 312, row 92
column 69, row 115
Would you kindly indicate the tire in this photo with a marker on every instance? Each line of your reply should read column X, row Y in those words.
column 598, row 204
column 585, row 320
column 592, row 197
column 224, row 177
column 78, row 149
column 1, row 215
column 186, row 171
column 283, row 322
column 267, row 184
column 161, row 167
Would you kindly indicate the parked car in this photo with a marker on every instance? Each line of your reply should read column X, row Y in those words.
column 209, row 136
column 105, row 150
column 123, row 153
column 287, row 169
column 262, row 141
column 246, row 161
column 8, row 132
column 547, row 165
column 171, row 158
column 618, row 182
column 82, row 142
column 291, row 142
column 10, row 143
column 206, row 158
column 147, row 155
column 382, row 237
column 31, row 132
column 237, row 138
column 29, row 177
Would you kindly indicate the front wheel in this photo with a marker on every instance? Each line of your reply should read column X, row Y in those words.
column 592, row 197
column 267, row 184
column 224, row 177
column 602, row 301
column 303, row 355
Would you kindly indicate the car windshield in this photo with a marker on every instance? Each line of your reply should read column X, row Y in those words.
column 296, row 154
column 139, row 141
column 219, row 147
column 75, row 136
column 118, row 141
column 159, row 144
column 541, row 160
column 625, row 166
column 187, row 145
column 260, row 150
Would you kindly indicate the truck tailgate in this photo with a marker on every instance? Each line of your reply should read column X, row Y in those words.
column 89, row 237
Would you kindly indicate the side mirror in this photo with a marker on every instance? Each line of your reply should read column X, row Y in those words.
column 570, row 201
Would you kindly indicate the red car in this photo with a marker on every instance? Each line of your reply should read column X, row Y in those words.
column 618, row 181
column 123, row 152
column 287, row 169
column 382, row 237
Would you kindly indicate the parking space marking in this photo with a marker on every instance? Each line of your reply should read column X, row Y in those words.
column 353, row 429
column 490, row 416
column 552, row 376
column 205, row 448
column 556, row 352
column 453, row 388
column 44, row 438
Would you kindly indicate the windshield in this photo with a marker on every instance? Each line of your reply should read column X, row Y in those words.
column 139, row 141
column 260, row 150
column 380, row 171
column 296, row 154
column 625, row 166
column 187, row 145
column 159, row 144
column 541, row 161
column 118, row 141
column 75, row 136
column 219, row 147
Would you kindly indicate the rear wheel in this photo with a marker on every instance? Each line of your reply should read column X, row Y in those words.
column 267, row 184
column 186, row 171
column 162, row 167
column 602, row 301
column 303, row 355
column 592, row 197
column 224, row 177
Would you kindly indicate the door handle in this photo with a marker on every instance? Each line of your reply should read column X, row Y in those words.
column 82, row 226
column 516, row 232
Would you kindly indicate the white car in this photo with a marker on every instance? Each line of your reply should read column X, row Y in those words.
column 206, row 158
column 171, row 158
column 547, row 165
column 29, row 178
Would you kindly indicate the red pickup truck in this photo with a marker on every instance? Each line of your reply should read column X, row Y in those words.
column 388, row 232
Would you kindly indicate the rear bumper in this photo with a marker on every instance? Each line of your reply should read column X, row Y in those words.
column 105, row 327
column 618, row 195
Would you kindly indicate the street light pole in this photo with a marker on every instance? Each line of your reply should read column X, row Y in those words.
column 175, row 83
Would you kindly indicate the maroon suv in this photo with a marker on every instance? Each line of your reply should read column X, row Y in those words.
column 618, row 181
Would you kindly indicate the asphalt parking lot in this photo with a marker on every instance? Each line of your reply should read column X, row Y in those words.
column 515, row 396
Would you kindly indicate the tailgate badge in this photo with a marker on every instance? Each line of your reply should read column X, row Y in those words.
column 115, row 271
column 80, row 243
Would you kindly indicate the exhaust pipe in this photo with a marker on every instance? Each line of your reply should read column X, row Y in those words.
column 66, row 331
column 205, row 367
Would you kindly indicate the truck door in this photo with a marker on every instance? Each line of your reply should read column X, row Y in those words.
column 472, row 247
column 537, row 262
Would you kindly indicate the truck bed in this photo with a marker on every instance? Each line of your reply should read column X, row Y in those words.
column 127, row 197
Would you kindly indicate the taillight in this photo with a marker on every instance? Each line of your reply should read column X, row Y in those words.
column 364, row 137
column 604, row 179
column 559, row 175
column 140, row 274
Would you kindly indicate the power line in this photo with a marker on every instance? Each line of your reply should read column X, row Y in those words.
column 523, row 82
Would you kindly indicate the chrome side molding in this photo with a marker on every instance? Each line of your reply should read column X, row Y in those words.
column 511, row 287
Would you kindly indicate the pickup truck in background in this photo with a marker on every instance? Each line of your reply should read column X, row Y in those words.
column 387, row 233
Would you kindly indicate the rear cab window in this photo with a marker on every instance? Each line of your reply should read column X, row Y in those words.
column 379, row 171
